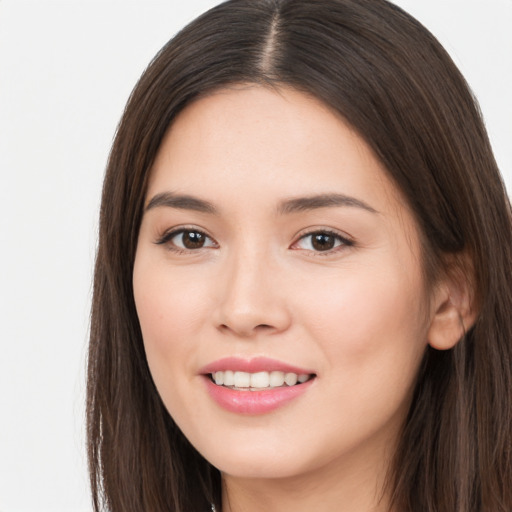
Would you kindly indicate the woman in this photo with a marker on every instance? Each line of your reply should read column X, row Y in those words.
column 302, row 293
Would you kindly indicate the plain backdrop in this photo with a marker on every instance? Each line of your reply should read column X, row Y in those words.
column 66, row 70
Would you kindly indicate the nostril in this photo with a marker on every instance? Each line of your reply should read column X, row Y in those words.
column 246, row 331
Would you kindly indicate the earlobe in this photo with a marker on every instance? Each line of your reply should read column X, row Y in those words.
column 453, row 311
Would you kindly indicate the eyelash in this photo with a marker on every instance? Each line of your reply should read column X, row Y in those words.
column 167, row 237
column 344, row 242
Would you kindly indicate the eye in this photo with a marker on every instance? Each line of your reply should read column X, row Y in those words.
column 186, row 239
column 321, row 241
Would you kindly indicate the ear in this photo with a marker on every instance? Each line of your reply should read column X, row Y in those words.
column 453, row 306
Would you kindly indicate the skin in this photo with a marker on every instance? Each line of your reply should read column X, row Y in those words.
column 359, row 315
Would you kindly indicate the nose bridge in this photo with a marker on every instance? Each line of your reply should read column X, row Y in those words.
column 251, row 300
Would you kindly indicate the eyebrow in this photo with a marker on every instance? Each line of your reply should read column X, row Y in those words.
column 293, row 205
column 322, row 201
column 182, row 202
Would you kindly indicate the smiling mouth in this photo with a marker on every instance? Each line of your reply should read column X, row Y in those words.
column 244, row 381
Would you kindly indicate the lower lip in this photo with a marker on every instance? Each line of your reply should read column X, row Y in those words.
column 254, row 402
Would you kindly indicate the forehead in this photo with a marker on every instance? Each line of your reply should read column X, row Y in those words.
column 268, row 142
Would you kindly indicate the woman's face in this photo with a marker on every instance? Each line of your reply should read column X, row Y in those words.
column 273, row 246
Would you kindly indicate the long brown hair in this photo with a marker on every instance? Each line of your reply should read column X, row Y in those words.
column 396, row 86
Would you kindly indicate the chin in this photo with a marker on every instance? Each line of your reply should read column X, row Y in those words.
column 257, row 468
column 262, row 460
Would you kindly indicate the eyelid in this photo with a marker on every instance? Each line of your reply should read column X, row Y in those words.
column 346, row 241
column 169, row 234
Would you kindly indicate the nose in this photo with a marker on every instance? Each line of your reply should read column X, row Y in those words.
column 253, row 300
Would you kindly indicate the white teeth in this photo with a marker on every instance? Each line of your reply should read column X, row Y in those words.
column 290, row 379
column 259, row 380
column 242, row 380
column 276, row 379
column 229, row 378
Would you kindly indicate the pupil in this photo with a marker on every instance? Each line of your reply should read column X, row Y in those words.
column 323, row 241
column 193, row 239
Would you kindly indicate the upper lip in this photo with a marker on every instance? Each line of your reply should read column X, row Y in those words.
column 254, row 365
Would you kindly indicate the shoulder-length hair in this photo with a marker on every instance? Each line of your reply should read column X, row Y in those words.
column 390, row 79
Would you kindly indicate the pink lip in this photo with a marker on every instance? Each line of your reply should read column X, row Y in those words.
column 253, row 402
column 257, row 364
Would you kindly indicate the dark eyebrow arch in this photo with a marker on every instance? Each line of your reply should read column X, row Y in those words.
column 322, row 201
column 182, row 202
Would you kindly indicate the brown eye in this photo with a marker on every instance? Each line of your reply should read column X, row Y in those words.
column 187, row 239
column 323, row 241
column 191, row 239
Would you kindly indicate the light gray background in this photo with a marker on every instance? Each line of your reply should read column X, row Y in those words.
column 66, row 70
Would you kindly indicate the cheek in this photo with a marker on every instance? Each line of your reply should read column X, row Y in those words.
column 169, row 306
column 166, row 298
column 371, row 325
column 371, row 331
column 356, row 301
